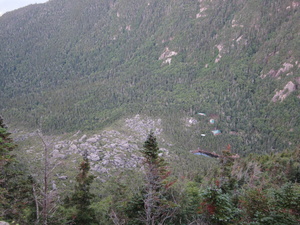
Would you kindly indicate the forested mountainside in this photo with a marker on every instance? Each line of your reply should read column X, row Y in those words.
column 150, row 112
column 82, row 65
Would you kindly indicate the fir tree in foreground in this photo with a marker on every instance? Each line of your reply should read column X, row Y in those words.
column 6, row 146
column 16, row 198
column 158, row 208
column 79, row 203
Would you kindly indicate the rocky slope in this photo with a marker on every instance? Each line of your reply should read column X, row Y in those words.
column 109, row 150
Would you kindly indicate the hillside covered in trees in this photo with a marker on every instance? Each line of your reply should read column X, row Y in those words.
column 150, row 112
column 73, row 65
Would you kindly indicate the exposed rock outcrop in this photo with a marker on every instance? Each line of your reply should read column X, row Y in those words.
column 273, row 73
column 190, row 121
column 166, row 55
column 220, row 48
column 107, row 150
column 286, row 91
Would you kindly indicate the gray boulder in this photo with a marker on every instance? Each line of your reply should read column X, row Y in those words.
column 3, row 223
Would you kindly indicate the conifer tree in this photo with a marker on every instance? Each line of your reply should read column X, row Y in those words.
column 81, row 199
column 6, row 146
column 16, row 199
column 157, row 207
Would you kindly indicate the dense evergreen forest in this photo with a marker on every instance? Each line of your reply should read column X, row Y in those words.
column 216, row 81
column 106, row 59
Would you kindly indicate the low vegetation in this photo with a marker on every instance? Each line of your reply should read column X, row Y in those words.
column 257, row 189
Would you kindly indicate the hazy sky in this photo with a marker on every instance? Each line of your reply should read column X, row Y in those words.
column 9, row 5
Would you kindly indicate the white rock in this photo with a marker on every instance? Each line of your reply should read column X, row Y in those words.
column 82, row 138
column 3, row 223
column 63, row 177
column 94, row 157
column 73, row 147
column 92, row 140
column 287, row 90
column 57, row 154
column 167, row 54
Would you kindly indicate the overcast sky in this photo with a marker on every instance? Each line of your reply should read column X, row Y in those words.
column 9, row 5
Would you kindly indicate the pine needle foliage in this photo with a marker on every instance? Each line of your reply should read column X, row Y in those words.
column 6, row 145
column 16, row 199
column 158, row 208
column 79, row 203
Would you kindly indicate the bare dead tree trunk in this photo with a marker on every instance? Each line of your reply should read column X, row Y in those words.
column 44, row 198
column 157, row 209
column 150, row 202
column 115, row 218
column 36, row 204
column 45, row 191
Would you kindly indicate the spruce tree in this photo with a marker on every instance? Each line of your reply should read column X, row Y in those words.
column 16, row 198
column 6, row 158
column 6, row 146
column 81, row 199
column 157, row 207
